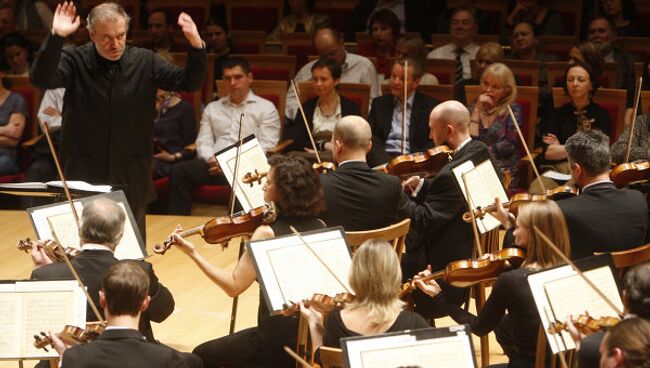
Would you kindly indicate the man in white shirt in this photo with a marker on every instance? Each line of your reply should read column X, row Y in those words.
column 220, row 129
column 463, row 29
column 355, row 68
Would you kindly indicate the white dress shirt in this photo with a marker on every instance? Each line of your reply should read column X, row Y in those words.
column 51, row 98
column 220, row 124
column 448, row 51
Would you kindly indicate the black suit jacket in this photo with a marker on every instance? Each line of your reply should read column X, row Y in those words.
column 359, row 198
column 296, row 129
column 91, row 265
column 126, row 348
column 380, row 119
column 417, row 13
column 605, row 219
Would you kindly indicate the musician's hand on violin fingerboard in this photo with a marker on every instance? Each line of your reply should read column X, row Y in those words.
column 39, row 257
column 181, row 243
column 58, row 344
column 550, row 139
column 573, row 331
column 501, row 214
column 314, row 317
column 429, row 287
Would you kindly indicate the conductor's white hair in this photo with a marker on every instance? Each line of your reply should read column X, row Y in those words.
column 107, row 12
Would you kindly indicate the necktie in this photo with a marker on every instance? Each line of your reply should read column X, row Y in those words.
column 459, row 67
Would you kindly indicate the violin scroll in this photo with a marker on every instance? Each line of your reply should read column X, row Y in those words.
column 251, row 178
column 71, row 335
column 52, row 248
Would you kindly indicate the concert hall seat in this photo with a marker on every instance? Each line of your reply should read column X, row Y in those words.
column 571, row 14
column 248, row 42
column 556, row 70
column 441, row 39
column 612, row 100
column 253, row 15
column 495, row 11
column 645, row 102
column 339, row 11
column 638, row 46
column 205, row 94
column 443, row 69
column 441, row 92
column 359, row 93
column 299, row 45
column 271, row 66
column 526, row 71
column 557, row 45
column 199, row 10
column 394, row 234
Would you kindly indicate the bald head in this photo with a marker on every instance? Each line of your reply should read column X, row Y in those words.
column 354, row 132
column 449, row 124
column 328, row 44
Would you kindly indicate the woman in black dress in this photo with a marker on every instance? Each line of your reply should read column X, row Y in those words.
column 295, row 189
column 517, row 333
column 375, row 277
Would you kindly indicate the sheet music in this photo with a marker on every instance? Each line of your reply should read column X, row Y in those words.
column 44, row 311
column 123, row 251
column 10, row 304
column 64, row 230
column 251, row 158
column 290, row 272
column 569, row 294
column 484, row 185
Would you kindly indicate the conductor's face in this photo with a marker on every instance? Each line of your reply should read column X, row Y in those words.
column 109, row 37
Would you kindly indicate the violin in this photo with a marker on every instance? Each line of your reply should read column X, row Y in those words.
column 220, row 230
column 426, row 163
column 469, row 272
column 256, row 176
column 71, row 335
column 320, row 302
column 516, row 200
column 585, row 324
column 625, row 174
column 52, row 248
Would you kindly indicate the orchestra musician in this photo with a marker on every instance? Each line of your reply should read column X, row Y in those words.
column 294, row 187
column 438, row 233
column 375, row 278
column 102, row 226
column 357, row 197
column 602, row 218
column 124, row 296
column 516, row 331
column 626, row 345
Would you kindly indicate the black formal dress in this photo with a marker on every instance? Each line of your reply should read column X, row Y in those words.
column 380, row 119
column 438, row 234
column 174, row 130
column 109, row 109
column 126, row 348
column 260, row 346
column 605, row 219
column 91, row 265
column 359, row 198
column 510, row 293
column 296, row 129
column 335, row 329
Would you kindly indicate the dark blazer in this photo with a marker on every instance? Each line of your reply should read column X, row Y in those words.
column 91, row 265
column 126, row 348
column 380, row 119
column 296, row 129
column 417, row 13
column 605, row 219
column 359, row 198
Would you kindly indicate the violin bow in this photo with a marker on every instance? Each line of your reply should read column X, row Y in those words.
column 46, row 130
column 297, row 357
column 637, row 95
column 577, row 270
column 477, row 243
column 523, row 143
column 404, row 99
column 557, row 341
column 311, row 250
column 304, row 119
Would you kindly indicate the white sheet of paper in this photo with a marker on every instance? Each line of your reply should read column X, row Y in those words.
column 251, row 158
column 290, row 272
column 557, row 175
column 80, row 185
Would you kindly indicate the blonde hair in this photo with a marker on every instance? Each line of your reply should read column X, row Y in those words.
column 548, row 218
column 375, row 278
column 492, row 50
column 505, row 76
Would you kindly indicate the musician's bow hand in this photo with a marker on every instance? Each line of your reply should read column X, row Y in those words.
column 412, row 184
column 39, row 257
column 429, row 287
column 188, row 27
column 65, row 21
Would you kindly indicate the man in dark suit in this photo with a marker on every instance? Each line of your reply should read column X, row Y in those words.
column 438, row 233
column 602, row 218
column 102, row 225
column 123, row 297
column 357, row 197
column 386, row 115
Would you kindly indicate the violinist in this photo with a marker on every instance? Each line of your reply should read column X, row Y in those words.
column 602, row 218
column 386, row 115
column 219, row 129
column 102, row 226
column 516, row 331
column 357, row 197
column 636, row 303
column 438, row 234
column 298, row 196
column 375, row 278
column 640, row 142
column 626, row 345
column 124, row 296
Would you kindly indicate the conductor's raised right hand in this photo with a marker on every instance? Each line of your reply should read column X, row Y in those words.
column 65, row 20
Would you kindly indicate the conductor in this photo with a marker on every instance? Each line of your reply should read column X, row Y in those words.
column 110, row 95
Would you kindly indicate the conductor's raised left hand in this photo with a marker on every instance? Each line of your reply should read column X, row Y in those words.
column 189, row 30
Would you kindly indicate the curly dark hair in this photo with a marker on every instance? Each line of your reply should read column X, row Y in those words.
column 298, row 185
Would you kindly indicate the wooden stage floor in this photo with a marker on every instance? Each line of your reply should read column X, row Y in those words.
column 202, row 309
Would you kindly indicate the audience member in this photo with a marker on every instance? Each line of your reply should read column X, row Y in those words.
column 548, row 21
column 413, row 15
column 443, row 12
column 354, row 68
column 7, row 19
column 323, row 112
column 173, row 130
column 18, row 54
column 301, row 19
column 413, row 47
column 219, row 129
column 13, row 112
column 384, row 29
column 491, row 123
column 386, row 115
column 489, row 53
column 218, row 41
column 31, row 14
column 160, row 26
column 622, row 14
